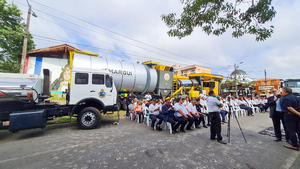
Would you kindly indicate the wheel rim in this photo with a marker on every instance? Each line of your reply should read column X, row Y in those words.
column 88, row 118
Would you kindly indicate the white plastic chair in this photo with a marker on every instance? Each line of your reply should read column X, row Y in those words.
column 255, row 109
column 146, row 115
column 226, row 108
column 168, row 125
column 241, row 111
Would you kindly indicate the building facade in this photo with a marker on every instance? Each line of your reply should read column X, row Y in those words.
column 185, row 71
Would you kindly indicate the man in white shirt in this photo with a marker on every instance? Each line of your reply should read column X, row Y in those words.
column 214, row 105
column 148, row 97
column 204, row 105
column 159, row 103
column 154, row 113
column 192, row 109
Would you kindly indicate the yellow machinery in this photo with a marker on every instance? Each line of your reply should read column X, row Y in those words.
column 208, row 82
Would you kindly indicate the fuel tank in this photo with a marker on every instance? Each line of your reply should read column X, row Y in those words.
column 127, row 76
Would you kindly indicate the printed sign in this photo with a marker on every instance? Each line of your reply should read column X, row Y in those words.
column 166, row 76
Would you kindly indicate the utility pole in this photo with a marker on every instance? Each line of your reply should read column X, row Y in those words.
column 265, row 82
column 24, row 52
column 236, row 92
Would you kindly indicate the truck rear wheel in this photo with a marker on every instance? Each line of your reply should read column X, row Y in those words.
column 124, row 106
column 119, row 104
column 88, row 118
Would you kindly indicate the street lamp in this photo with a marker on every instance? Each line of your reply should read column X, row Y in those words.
column 24, row 51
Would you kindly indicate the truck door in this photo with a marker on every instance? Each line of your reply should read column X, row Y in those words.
column 79, row 87
column 102, row 88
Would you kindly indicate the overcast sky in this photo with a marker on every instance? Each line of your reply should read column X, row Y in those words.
column 133, row 30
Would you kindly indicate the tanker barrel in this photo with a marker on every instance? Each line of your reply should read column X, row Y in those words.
column 128, row 76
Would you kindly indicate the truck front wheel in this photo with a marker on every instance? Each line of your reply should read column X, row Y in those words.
column 88, row 118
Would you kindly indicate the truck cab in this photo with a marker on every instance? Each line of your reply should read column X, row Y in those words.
column 92, row 84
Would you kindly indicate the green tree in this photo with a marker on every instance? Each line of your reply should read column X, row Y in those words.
column 12, row 31
column 217, row 16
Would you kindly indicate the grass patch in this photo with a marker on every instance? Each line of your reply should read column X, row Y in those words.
column 66, row 119
column 115, row 115
column 63, row 119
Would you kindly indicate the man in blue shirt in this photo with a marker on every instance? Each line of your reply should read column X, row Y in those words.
column 290, row 105
column 182, row 114
column 168, row 112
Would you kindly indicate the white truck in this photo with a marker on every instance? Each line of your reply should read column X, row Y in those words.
column 92, row 87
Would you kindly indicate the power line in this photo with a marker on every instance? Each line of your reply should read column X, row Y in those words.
column 92, row 47
column 120, row 35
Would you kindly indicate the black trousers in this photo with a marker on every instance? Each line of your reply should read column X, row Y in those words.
column 292, row 127
column 153, row 119
column 215, row 128
column 172, row 121
column 197, row 120
column 181, row 121
column 127, row 111
column 202, row 119
column 141, row 115
column 249, row 109
column 191, row 121
column 277, row 117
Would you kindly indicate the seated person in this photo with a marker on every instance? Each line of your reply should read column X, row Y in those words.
column 202, row 114
column 131, row 110
column 154, row 113
column 223, row 114
column 242, row 103
column 138, row 109
column 182, row 113
column 168, row 112
column 193, row 111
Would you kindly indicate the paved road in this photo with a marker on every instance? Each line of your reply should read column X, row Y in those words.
column 132, row 145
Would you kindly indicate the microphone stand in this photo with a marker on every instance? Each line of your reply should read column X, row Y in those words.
column 228, row 124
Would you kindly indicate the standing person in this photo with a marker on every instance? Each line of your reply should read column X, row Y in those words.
column 128, row 102
column 154, row 113
column 148, row 97
column 214, row 106
column 277, row 115
column 290, row 105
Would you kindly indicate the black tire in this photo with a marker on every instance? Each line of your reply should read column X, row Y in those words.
column 124, row 106
column 88, row 118
column 119, row 104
